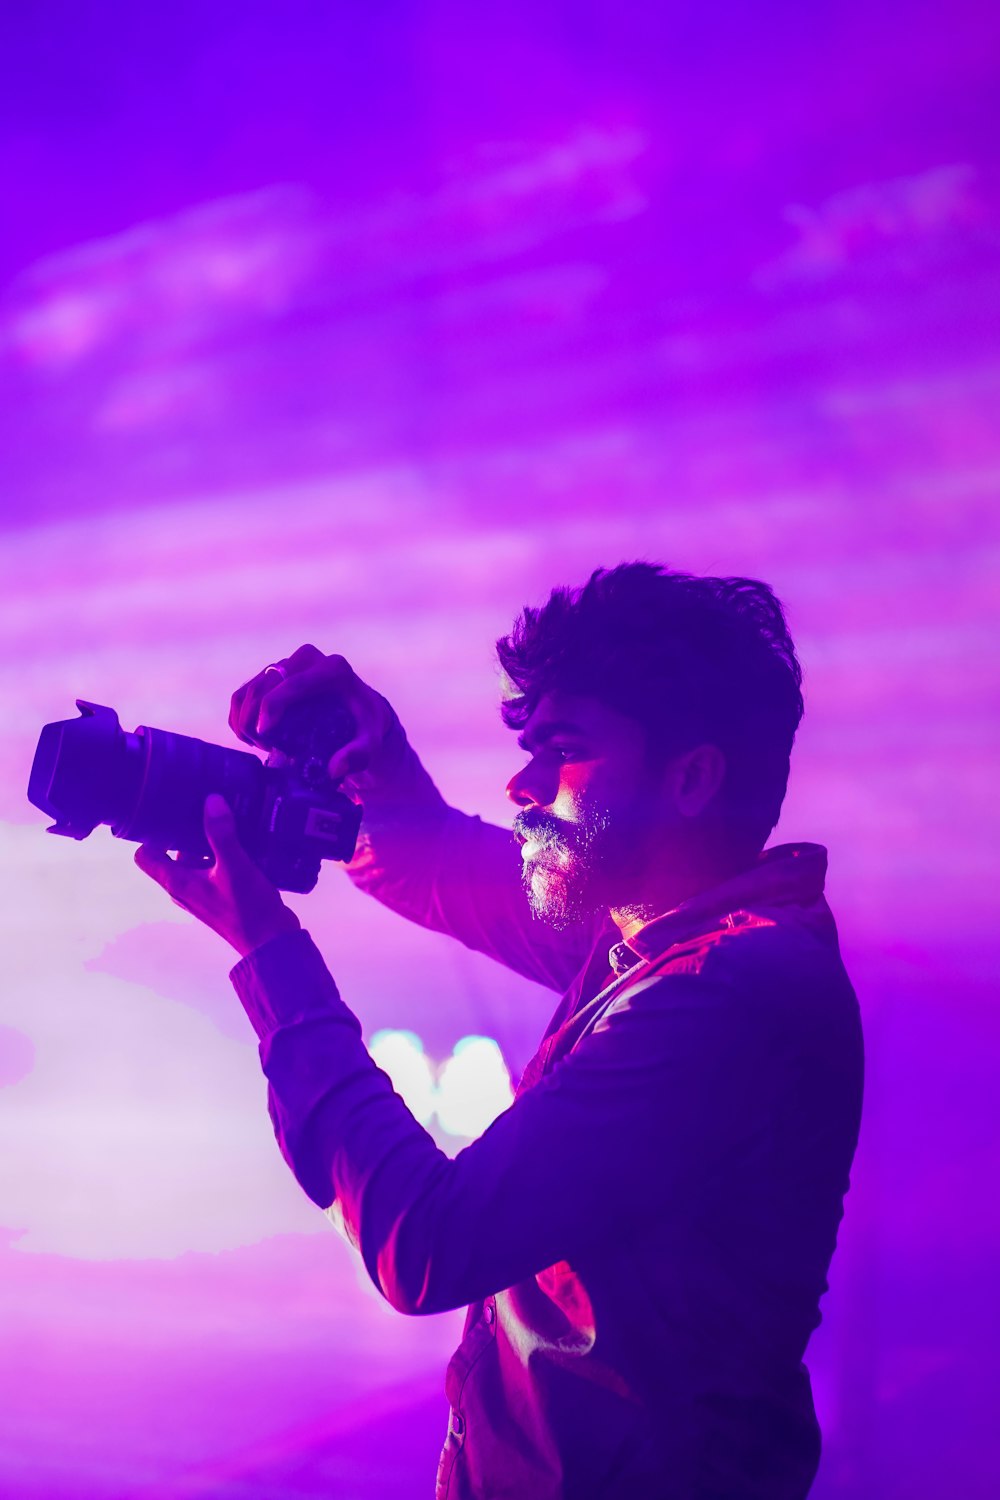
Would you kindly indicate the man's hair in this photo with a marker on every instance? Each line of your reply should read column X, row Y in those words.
column 691, row 659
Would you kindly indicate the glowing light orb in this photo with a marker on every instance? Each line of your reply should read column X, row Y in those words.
column 401, row 1055
column 468, row 1091
column 474, row 1087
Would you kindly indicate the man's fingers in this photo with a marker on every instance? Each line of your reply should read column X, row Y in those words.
column 157, row 864
column 154, row 862
column 350, row 758
column 259, row 705
column 220, row 828
column 306, row 656
column 245, row 704
column 272, row 704
column 249, row 707
column 329, row 675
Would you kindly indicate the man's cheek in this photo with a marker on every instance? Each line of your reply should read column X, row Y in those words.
column 570, row 804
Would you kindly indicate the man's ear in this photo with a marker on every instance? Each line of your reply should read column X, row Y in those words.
column 699, row 773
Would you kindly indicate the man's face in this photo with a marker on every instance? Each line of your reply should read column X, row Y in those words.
column 591, row 810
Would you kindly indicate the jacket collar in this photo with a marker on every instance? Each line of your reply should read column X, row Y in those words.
column 791, row 875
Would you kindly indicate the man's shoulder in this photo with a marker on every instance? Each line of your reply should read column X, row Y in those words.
column 721, row 946
column 769, row 963
column 758, row 937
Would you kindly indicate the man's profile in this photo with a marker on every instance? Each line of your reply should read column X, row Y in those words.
column 642, row 1239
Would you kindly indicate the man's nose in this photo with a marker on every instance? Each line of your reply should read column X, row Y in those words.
column 529, row 788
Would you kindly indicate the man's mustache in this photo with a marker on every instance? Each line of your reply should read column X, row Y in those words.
column 531, row 823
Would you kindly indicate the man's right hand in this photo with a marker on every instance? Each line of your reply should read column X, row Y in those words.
column 258, row 705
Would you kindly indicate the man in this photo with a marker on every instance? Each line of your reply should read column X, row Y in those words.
column 642, row 1239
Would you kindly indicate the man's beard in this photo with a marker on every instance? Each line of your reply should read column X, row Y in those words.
column 565, row 877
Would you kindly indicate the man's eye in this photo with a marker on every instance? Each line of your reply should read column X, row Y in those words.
column 558, row 752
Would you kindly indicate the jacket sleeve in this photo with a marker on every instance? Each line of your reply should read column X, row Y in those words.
column 636, row 1122
column 454, row 873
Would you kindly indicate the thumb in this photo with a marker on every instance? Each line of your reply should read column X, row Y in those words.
column 347, row 760
column 220, row 825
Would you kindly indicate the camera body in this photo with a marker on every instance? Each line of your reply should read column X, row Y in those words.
column 150, row 787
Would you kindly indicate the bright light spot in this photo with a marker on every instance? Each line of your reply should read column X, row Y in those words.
column 474, row 1087
column 401, row 1055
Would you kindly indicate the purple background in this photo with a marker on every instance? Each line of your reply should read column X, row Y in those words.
column 364, row 325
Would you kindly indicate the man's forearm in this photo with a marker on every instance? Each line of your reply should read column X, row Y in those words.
column 453, row 872
column 336, row 1117
column 634, row 1108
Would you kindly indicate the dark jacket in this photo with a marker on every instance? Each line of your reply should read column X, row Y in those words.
column 642, row 1239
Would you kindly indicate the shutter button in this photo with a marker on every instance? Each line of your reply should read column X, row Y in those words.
column 489, row 1313
column 457, row 1423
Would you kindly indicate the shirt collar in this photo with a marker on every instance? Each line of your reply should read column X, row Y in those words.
column 787, row 875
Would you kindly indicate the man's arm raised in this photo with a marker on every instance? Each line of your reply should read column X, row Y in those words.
column 420, row 857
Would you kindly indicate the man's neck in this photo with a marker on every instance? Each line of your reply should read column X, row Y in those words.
column 669, row 891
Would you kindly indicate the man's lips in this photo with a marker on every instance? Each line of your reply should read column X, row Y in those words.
column 536, row 851
column 536, row 833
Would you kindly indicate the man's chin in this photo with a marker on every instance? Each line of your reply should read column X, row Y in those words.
column 551, row 896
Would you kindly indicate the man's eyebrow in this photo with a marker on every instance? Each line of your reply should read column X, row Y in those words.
column 546, row 731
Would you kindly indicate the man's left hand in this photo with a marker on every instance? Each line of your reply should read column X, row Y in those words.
column 233, row 896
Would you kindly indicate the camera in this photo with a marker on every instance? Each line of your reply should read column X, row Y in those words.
column 150, row 787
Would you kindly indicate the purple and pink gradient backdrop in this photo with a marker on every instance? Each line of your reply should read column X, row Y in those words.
column 365, row 327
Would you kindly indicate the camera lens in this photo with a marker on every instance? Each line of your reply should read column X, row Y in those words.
column 149, row 786
column 85, row 771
